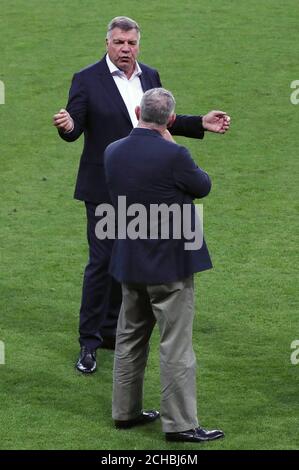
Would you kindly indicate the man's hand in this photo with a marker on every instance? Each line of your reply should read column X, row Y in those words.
column 167, row 136
column 63, row 121
column 216, row 121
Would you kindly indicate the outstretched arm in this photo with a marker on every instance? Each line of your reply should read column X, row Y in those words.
column 195, row 126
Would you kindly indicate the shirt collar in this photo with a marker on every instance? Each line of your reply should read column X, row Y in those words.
column 116, row 71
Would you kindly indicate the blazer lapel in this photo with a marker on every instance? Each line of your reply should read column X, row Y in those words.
column 145, row 80
column 111, row 88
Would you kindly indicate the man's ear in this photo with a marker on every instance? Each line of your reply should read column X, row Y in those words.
column 106, row 40
column 171, row 120
column 137, row 112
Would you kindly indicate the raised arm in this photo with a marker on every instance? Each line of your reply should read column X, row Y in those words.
column 195, row 126
column 70, row 122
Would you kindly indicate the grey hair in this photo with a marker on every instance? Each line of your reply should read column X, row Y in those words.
column 157, row 105
column 124, row 23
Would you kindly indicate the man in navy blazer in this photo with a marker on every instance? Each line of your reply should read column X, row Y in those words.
column 101, row 105
column 163, row 178
column 152, row 260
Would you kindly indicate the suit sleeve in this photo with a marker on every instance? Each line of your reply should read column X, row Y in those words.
column 189, row 177
column 77, row 107
column 188, row 126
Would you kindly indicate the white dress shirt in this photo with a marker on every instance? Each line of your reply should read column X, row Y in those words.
column 130, row 89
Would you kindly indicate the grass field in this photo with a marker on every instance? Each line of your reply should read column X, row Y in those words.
column 239, row 56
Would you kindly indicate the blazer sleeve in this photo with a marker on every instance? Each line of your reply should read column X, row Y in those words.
column 188, row 126
column 189, row 177
column 77, row 107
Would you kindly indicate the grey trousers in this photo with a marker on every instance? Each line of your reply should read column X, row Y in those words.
column 171, row 306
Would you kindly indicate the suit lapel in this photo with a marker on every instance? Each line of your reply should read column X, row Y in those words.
column 145, row 80
column 111, row 88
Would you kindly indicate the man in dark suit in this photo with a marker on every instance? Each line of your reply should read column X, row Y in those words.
column 155, row 268
column 101, row 105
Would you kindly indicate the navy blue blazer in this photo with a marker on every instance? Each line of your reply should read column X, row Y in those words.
column 147, row 169
column 99, row 111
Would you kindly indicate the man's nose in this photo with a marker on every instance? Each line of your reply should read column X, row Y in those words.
column 125, row 47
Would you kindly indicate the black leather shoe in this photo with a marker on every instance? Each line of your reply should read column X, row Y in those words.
column 194, row 435
column 144, row 418
column 108, row 342
column 87, row 360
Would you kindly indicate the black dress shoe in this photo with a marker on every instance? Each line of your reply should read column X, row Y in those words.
column 87, row 360
column 194, row 435
column 108, row 342
column 144, row 418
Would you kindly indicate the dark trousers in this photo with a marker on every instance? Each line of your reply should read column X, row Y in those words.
column 101, row 294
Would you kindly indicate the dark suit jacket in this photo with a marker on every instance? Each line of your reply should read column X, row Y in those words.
column 99, row 111
column 147, row 169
